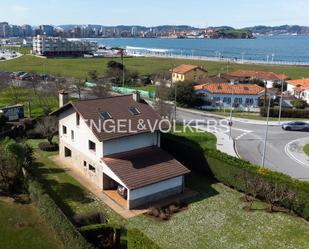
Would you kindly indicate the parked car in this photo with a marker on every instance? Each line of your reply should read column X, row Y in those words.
column 122, row 191
column 2, row 58
column 296, row 126
column 15, row 75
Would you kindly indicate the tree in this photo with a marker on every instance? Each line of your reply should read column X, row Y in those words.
column 14, row 157
column 93, row 75
column 115, row 70
column 299, row 104
column 102, row 89
column 48, row 128
column 185, row 94
column 3, row 120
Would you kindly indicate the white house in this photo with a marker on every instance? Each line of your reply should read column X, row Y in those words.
column 299, row 88
column 244, row 76
column 104, row 140
column 246, row 95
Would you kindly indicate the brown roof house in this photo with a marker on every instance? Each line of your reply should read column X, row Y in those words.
column 188, row 73
column 244, row 76
column 115, row 142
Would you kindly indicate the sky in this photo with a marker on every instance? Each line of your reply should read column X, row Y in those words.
column 198, row 13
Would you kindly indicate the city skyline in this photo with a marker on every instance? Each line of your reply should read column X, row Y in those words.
column 200, row 14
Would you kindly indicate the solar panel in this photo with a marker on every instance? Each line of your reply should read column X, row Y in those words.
column 105, row 115
column 134, row 111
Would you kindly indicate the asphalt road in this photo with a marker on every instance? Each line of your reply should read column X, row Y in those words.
column 249, row 143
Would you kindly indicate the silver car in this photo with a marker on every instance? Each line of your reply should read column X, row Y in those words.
column 296, row 126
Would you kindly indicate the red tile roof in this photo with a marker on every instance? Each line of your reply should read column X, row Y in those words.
column 258, row 75
column 142, row 167
column 301, row 83
column 227, row 88
column 183, row 69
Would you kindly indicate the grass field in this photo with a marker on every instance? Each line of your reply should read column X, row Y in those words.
column 80, row 67
column 13, row 95
column 216, row 219
column 67, row 192
column 306, row 149
column 22, row 227
column 254, row 116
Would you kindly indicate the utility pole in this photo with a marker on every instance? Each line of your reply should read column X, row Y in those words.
column 266, row 134
column 231, row 113
column 123, row 69
column 175, row 93
column 281, row 101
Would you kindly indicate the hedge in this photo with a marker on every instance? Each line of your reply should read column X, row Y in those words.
column 103, row 235
column 66, row 231
column 138, row 240
column 227, row 170
column 286, row 113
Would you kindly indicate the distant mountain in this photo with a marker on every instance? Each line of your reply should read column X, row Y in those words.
column 280, row 30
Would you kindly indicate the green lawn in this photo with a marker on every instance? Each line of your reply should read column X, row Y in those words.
column 21, row 227
column 20, row 95
column 80, row 67
column 253, row 116
column 306, row 149
column 67, row 192
column 216, row 219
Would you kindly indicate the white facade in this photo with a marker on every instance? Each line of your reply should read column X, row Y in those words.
column 305, row 95
column 227, row 99
column 43, row 45
column 74, row 140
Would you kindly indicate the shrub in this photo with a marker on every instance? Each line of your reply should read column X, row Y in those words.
column 102, row 235
column 68, row 234
column 90, row 219
column 137, row 239
column 44, row 146
column 33, row 134
column 227, row 170
column 286, row 113
column 299, row 104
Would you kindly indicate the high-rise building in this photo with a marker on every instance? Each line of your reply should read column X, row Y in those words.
column 27, row 30
column 134, row 31
column 4, row 29
column 47, row 30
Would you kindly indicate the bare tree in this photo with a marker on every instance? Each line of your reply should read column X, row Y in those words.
column 275, row 194
column 48, row 127
column 102, row 88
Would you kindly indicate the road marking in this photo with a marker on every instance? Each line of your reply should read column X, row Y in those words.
column 290, row 155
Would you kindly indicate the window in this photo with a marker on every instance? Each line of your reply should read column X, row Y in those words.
column 64, row 130
column 77, row 119
column 72, row 135
column 134, row 111
column 91, row 168
column 91, row 145
column 105, row 115
column 85, row 164
column 67, row 152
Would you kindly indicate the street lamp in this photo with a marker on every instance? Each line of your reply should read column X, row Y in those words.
column 266, row 133
column 281, row 101
column 231, row 113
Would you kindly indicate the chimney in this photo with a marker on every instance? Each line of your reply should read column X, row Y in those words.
column 137, row 96
column 63, row 98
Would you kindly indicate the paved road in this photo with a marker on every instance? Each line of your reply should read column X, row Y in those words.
column 249, row 143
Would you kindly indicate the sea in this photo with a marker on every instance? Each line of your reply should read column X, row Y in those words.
column 277, row 49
